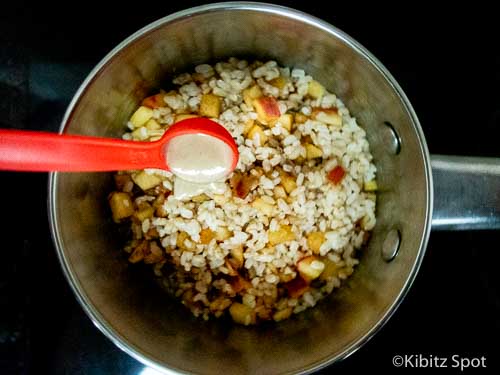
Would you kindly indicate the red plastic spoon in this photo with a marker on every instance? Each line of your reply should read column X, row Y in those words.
column 43, row 151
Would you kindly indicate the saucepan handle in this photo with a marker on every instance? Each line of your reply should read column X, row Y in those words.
column 466, row 192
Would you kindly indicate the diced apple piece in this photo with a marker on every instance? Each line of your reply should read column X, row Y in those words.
column 315, row 240
column 206, row 235
column 336, row 175
column 329, row 116
column 239, row 283
column 246, row 185
column 288, row 182
column 141, row 116
column 231, row 271
column 242, row 314
column 160, row 199
column 315, row 90
column 263, row 312
column 138, row 253
column 145, row 180
column 285, row 120
column 237, row 256
column 279, row 82
column 255, row 132
column 282, row 314
column 248, row 126
column 154, row 101
column 264, row 207
column 300, row 118
column 267, row 109
column 297, row 287
column 210, row 105
column 152, row 124
column 121, row 205
column 250, row 94
column 285, row 278
column 222, row 233
column 312, row 152
column 219, row 304
column 184, row 116
column 370, row 185
column 279, row 192
column 181, row 238
column 331, row 269
column 283, row 234
column 310, row 268
column 160, row 209
column 145, row 212
column 151, row 233
column 155, row 254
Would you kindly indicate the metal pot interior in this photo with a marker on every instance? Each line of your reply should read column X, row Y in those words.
column 129, row 307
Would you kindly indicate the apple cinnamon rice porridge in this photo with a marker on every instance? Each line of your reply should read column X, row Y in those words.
column 283, row 230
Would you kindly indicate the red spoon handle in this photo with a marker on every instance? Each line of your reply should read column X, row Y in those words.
column 44, row 152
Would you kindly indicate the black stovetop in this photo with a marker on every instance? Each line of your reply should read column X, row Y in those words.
column 448, row 63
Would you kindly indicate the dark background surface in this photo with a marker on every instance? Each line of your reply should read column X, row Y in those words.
column 448, row 63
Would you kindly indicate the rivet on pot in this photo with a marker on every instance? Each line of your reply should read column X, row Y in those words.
column 390, row 247
column 391, row 138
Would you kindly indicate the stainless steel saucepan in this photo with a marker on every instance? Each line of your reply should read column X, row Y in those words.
column 139, row 318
